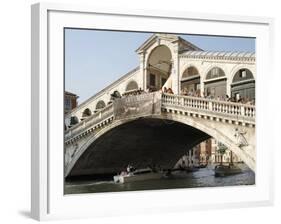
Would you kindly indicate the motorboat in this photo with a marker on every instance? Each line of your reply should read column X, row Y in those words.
column 137, row 175
column 225, row 170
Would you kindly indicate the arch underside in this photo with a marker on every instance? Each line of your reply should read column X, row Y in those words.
column 142, row 142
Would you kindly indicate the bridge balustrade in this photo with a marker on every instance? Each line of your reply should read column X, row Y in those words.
column 214, row 106
column 96, row 118
column 206, row 107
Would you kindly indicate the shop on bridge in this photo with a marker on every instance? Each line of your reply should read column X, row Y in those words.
column 243, row 85
column 190, row 81
column 215, row 83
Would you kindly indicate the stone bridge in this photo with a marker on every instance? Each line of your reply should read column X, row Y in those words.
column 106, row 141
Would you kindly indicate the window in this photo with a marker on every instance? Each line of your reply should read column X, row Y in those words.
column 215, row 73
column 74, row 120
column 152, row 80
column 68, row 103
column 100, row 105
column 87, row 112
column 243, row 74
column 189, row 72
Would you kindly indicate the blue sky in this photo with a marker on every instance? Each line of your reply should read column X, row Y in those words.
column 94, row 58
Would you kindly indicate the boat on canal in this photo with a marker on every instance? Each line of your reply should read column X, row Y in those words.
column 225, row 170
column 137, row 175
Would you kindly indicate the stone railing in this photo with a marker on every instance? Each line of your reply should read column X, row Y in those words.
column 205, row 107
column 96, row 118
column 212, row 107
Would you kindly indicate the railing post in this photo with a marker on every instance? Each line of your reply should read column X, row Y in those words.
column 210, row 106
column 182, row 101
column 242, row 110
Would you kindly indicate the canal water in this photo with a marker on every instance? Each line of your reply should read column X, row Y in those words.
column 202, row 178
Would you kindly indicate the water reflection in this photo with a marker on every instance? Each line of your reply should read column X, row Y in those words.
column 202, row 178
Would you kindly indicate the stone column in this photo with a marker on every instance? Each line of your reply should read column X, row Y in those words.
column 142, row 70
column 175, row 70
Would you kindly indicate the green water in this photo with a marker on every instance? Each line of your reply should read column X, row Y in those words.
column 202, row 178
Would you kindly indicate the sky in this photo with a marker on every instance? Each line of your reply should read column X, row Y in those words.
column 95, row 58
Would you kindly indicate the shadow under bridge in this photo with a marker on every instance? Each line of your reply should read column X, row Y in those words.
column 140, row 142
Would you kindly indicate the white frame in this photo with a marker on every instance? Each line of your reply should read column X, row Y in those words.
column 47, row 202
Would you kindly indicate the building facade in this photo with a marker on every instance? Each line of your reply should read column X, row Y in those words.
column 70, row 101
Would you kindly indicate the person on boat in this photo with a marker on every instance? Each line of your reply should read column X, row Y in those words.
column 130, row 168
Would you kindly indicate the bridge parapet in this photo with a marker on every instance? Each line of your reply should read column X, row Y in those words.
column 220, row 110
column 96, row 120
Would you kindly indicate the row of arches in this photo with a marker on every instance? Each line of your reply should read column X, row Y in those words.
column 159, row 67
column 215, row 83
column 131, row 85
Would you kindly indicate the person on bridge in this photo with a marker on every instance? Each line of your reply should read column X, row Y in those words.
column 170, row 91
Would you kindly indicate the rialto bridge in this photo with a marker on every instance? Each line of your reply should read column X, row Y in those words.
column 103, row 135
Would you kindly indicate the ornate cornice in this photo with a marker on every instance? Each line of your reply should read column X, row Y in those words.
column 223, row 56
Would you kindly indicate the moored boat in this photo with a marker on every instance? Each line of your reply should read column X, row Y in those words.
column 224, row 170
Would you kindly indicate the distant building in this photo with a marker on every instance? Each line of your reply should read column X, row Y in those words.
column 216, row 157
column 207, row 153
column 204, row 151
column 70, row 101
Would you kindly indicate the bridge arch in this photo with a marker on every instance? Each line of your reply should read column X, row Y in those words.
column 210, row 131
column 73, row 120
column 159, row 66
column 100, row 104
column 86, row 113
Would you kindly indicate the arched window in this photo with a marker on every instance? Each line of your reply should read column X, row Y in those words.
column 132, row 85
column 74, row 120
column 215, row 83
column 242, row 75
column 159, row 66
column 215, row 72
column 190, row 82
column 243, row 85
column 189, row 72
column 100, row 105
column 87, row 112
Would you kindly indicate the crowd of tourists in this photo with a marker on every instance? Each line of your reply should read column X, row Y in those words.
column 193, row 93
column 234, row 99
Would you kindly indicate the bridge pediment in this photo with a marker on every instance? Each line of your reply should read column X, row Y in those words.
column 170, row 38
